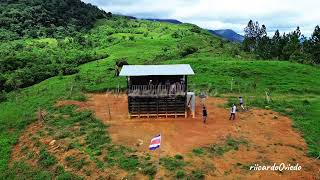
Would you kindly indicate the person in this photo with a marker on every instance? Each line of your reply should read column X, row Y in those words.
column 203, row 97
column 241, row 103
column 233, row 112
column 173, row 89
column 204, row 115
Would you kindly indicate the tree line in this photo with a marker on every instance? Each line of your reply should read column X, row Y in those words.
column 292, row 46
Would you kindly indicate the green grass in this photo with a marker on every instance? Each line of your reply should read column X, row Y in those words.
column 172, row 163
column 230, row 144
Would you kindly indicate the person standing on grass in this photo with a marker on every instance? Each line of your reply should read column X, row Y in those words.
column 204, row 114
column 233, row 112
column 241, row 103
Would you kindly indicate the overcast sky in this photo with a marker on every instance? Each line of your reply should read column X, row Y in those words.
column 284, row 15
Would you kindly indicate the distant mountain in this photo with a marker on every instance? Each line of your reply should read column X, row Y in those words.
column 228, row 34
column 173, row 21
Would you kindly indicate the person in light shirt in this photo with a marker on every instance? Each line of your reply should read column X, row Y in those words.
column 233, row 112
column 241, row 103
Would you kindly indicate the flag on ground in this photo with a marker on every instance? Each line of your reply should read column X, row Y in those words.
column 155, row 142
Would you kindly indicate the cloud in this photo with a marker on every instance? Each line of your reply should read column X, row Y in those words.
column 284, row 15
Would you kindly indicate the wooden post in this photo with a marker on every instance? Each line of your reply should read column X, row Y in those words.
column 159, row 154
column 109, row 111
column 231, row 84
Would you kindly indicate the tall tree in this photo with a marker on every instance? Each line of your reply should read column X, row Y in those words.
column 253, row 33
column 315, row 45
column 276, row 44
column 293, row 47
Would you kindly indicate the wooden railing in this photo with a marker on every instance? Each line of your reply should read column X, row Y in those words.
column 156, row 90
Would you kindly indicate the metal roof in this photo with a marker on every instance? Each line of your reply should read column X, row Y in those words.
column 150, row 70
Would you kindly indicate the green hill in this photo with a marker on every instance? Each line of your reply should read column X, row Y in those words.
column 45, row 18
column 36, row 72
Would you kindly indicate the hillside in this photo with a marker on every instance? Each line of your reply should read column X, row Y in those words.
column 39, row 72
column 45, row 18
column 228, row 34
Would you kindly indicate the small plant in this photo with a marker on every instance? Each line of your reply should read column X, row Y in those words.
column 129, row 163
column 76, row 164
column 197, row 174
column 198, row 151
column 45, row 159
column 149, row 170
column 180, row 174
column 172, row 164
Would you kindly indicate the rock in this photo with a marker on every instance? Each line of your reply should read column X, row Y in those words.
column 52, row 142
column 140, row 142
column 275, row 117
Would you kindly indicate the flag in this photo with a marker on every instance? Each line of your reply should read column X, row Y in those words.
column 155, row 142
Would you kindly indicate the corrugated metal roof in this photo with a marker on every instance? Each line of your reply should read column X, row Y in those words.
column 150, row 70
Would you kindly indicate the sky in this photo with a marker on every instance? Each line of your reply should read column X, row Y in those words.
column 284, row 15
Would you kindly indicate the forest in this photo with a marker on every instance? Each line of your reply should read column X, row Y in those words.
column 46, row 18
column 293, row 46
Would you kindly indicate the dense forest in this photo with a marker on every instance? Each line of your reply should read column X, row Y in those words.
column 46, row 18
column 293, row 46
column 27, row 57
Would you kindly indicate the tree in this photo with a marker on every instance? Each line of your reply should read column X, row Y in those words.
column 276, row 48
column 315, row 45
column 253, row 33
column 293, row 45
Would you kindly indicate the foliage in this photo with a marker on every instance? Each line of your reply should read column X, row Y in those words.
column 228, row 145
column 45, row 159
column 40, row 18
column 172, row 164
column 292, row 46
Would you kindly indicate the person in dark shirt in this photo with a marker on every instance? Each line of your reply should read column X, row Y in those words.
column 204, row 115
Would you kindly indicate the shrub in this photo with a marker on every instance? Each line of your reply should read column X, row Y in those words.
column 95, row 139
column 188, row 50
column 180, row 174
column 178, row 156
column 195, row 29
column 198, row 151
column 128, row 163
column 172, row 164
column 149, row 170
column 45, row 159
column 197, row 174
column 76, row 164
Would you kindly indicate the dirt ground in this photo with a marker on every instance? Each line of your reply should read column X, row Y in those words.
column 270, row 136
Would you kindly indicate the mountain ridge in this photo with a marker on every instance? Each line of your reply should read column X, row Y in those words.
column 227, row 34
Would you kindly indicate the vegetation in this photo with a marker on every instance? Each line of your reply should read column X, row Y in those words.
column 292, row 46
column 40, row 18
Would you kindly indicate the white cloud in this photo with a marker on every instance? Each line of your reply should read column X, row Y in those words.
column 285, row 15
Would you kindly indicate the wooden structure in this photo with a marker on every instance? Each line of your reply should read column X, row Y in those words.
column 157, row 90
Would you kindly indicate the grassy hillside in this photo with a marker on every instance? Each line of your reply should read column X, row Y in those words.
column 295, row 88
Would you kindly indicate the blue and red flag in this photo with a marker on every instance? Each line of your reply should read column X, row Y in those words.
column 155, row 142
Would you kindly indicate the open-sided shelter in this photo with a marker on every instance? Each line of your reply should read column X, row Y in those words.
column 157, row 90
